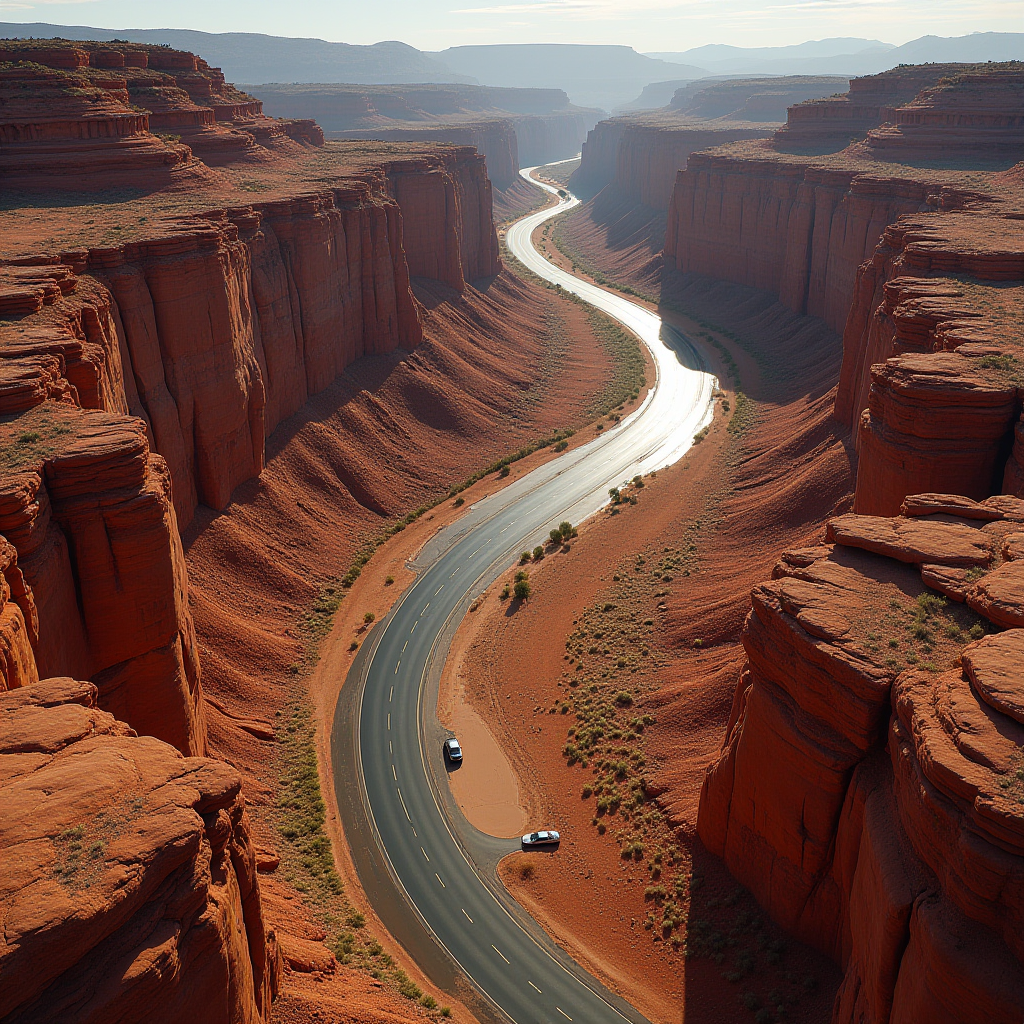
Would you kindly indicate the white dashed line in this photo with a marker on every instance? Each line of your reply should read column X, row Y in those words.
column 404, row 808
column 424, row 852
column 438, row 877
column 439, row 589
column 398, row 666
column 534, row 987
column 563, row 1013
column 468, row 918
column 503, row 957
column 394, row 773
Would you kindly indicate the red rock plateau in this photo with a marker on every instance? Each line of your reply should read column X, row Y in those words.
column 869, row 792
column 106, row 113
column 129, row 872
column 215, row 353
column 512, row 128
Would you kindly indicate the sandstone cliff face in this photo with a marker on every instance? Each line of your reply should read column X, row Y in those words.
column 930, row 356
column 494, row 139
column 99, row 587
column 975, row 113
column 641, row 153
column 870, row 796
column 129, row 891
column 786, row 226
column 88, row 121
column 224, row 325
column 830, row 123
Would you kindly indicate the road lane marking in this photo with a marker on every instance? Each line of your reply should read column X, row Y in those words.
column 563, row 1013
column 502, row 955
column 534, row 987
column 438, row 591
column 393, row 772
column 456, row 570
column 404, row 808
column 398, row 666
column 474, row 552
column 424, row 852
column 391, row 695
column 389, row 721
column 391, row 749
column 438, row 877
column 414, row 625
column 425, row 607
column 406, row 645
column 468, row 918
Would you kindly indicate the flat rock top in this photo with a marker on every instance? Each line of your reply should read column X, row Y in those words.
column 913, row 540
column 999, row 595
column 995, row 665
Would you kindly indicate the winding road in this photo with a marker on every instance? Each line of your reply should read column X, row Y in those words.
column 429, row 873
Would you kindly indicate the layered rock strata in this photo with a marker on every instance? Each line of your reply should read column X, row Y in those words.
column 932, row 351
column 129, row 891
column 830, row 123
column 787, row 226
column 972, row 113
column 87, row 113
column 95, row 580
column 870, row 791
column 640, row 154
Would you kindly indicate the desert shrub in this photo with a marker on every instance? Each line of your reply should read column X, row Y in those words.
column 369, row 617
column 538, row 553
column 522, row 590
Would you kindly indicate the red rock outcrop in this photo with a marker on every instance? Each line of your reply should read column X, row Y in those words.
column 870, row 796
column 66, row 126
column 931, row 349
column 786, row 225
column 831, row 122
column 84, row 112
column 972, row 113
column 641, row 153
column 129, row 889
column 87, row 508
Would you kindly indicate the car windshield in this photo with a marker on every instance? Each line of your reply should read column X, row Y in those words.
column 535, row 835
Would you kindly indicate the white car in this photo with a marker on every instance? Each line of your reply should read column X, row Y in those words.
column 452, row 750
column 545, row 838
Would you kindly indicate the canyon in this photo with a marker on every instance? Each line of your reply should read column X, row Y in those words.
column 255, row 353
column 510, row 128
column 827, row 725
column 153, row 348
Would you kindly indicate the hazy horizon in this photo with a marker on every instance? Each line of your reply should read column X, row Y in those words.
column 646, row 25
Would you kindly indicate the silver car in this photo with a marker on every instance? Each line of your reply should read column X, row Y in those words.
column 452, row 750
column 545, row 838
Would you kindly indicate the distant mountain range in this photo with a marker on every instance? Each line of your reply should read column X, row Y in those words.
column 846, row 56
column 607, row 77
column 593, row 76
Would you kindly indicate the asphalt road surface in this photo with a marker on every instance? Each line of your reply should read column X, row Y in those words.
column 441, row 864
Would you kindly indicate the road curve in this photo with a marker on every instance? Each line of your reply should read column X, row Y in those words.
column 436, row 860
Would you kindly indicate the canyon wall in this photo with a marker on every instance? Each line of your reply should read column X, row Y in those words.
column 870, row 790
column 129, row 889
column 209, row 334
column 641, row 153
column 789, row 227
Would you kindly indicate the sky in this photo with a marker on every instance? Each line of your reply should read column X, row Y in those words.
column 646, row 25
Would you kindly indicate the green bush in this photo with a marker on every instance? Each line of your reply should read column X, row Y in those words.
column 538, row 553
column 369, row 617
column 522, row 590
column 565, row 528
column 555, row 536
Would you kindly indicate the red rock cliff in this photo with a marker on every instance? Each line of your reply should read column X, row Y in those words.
column 869, row 794
column 784, row 225
column 129, row 888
